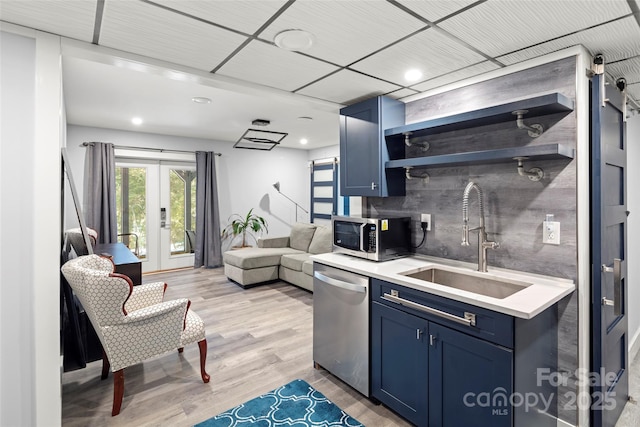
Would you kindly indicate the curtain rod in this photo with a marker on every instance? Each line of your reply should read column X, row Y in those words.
column 160, row 150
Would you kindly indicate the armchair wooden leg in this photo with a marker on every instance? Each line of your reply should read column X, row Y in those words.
column 118, row 391
column 105, row 366
column 203, row 358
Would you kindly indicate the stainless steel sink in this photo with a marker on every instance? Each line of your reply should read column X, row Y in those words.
column 488, row 286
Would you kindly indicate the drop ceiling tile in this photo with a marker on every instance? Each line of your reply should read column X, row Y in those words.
column 73, row 18
column 455, row 76
column 616, row 40
column 246, row 16
column 434, row 10
column 268, row 65
column 429, row 51
column 629, row 69
column 634, row 92
column 347, row 87
column 402, row 93
column 152, row 31
column 511, row 25
column 345, row 31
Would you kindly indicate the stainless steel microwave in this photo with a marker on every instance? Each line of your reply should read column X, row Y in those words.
column 372, row 238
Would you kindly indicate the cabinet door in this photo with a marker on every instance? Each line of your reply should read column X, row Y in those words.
column 360, row 149
column 470, row 380
column 363, row 151
column 399, row 362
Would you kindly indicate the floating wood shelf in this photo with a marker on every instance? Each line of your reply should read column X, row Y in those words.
column 536, row 106
column 533, row 152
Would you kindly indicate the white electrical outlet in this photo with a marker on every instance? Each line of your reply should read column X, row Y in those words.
column 426, row 218
column 551, row 232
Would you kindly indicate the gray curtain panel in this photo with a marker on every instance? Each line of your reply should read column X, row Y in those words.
column 100, row 191
column 208, row 248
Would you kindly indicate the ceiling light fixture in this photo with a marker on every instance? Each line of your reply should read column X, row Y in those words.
column 413, row 75
column 304, row 141
column 136, row 121
column 294, row 40
column 257, row 139
column 201, row 100
column 261, row 122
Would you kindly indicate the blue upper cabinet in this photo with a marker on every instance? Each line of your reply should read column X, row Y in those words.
column 363, row 151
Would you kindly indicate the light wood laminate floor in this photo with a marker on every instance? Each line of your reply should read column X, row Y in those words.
column 258, row 339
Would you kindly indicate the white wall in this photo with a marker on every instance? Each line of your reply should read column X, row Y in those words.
column 633, row 231
column 30, row 228
column 245, row 177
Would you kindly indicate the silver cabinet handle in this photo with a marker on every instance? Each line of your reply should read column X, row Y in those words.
column 339, row 283
column 373, row 185
column 617, row 286
column 469, row 319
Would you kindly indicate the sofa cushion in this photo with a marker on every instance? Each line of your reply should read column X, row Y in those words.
column 307, row 267
column 249, row 258
column 273, row 242
column 294, row 261
column 321, row 242
column 301, row 235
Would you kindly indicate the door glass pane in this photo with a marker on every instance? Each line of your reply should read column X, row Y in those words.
column 131, row 205
column 323, row 175
column 182, row 188
column 324, row 191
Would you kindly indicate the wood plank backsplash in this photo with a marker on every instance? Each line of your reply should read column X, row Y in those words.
column 515, row 206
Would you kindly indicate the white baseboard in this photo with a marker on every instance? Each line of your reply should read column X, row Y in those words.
column 562, row 423
column 634, row 346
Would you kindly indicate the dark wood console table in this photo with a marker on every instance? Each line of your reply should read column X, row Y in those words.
column 125, row 261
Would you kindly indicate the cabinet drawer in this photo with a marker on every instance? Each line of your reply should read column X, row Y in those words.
column 486, row 324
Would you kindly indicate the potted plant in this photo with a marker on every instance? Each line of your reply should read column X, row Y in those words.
column 240, row 225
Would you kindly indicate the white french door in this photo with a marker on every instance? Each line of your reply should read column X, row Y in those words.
column 156, row 211
column 178, row 207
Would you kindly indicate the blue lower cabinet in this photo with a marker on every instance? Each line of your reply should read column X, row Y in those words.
column 470, row 380
column 400, row 362
column 435, row 376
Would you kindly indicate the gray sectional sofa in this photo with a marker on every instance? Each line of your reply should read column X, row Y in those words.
column 284, row 258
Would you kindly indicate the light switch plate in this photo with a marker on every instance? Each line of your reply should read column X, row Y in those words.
column 551, row 232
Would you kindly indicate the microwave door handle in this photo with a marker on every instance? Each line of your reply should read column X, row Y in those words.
column 340, row 283
column 362, row 227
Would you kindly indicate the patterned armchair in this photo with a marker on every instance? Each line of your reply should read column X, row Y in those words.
column 133, row 323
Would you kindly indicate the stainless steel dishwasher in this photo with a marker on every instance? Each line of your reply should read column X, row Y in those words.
column 341, row 325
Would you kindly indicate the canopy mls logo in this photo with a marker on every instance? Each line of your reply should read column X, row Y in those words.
column 500, row 402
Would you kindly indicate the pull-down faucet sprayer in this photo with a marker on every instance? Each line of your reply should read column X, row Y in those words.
column 483, row 243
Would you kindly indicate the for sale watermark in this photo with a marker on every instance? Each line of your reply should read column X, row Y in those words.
column 499, row 401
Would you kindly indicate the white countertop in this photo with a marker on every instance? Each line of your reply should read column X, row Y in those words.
column 543, row 291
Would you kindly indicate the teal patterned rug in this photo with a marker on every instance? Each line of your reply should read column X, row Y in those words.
column 296, row 404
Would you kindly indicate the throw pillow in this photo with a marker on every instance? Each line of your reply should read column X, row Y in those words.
column 321, row 242
column 301, row 235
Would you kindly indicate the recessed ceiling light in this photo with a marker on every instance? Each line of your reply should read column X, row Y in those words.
column 136, row 121
column 201, row 100
column 294, row 40
column 304, row 141
column 412, row 75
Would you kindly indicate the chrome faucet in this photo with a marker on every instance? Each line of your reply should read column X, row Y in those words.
column 483, row 243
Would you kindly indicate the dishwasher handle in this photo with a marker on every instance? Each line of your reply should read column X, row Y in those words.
column 339, row 283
